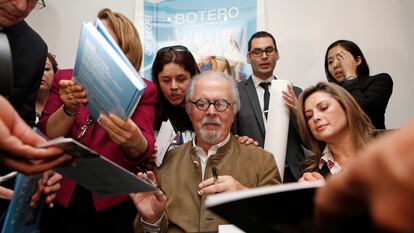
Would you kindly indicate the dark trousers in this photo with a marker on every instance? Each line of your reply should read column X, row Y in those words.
column 81, row 216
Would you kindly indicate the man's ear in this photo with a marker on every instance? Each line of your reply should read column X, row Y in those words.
column 248, row 56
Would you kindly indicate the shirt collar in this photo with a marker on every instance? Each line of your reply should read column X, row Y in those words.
column 328, row 159
column 257, row 80
column 213, row 149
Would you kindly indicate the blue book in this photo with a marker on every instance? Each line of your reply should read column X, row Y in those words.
column 20, row 216
column 112, row 83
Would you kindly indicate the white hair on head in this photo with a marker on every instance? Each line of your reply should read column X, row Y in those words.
column 215, row 74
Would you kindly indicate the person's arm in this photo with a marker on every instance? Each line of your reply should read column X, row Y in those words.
column 377, row 187
column 61, row 121
column 150, row 205
column 18, row 141
column 374, row 97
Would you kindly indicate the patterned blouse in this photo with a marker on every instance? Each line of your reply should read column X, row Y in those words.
column 328, row 159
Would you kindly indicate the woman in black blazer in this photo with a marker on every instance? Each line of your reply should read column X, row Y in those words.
column 345, row 65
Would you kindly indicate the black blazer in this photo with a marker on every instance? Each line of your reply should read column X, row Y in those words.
column 29, row 53
column 372, row 93
column 249, row 122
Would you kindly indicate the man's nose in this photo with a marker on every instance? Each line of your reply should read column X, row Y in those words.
column 211, row 110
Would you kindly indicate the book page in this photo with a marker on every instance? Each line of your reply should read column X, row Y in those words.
column 164, row 139
column 221, row 198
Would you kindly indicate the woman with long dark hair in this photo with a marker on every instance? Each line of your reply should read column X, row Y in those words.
column 345, row 65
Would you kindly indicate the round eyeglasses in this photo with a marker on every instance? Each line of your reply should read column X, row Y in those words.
column 257, row 52
column 203, row 104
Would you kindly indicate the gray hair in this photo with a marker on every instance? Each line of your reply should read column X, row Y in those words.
column 215, row 74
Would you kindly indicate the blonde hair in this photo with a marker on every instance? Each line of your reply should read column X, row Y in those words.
column 359, row 123
column 127, row 35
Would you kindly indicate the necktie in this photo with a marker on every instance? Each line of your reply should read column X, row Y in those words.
column 266, row 97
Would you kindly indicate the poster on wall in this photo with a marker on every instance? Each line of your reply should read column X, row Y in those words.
column 215, row 31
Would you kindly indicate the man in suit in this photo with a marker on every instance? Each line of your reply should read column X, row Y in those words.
column 29, row 53
column 250, row 120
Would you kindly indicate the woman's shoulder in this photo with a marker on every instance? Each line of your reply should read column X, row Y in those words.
column 150, row 92
column 382, row 77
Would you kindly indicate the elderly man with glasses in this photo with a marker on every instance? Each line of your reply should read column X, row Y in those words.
column 213, row 162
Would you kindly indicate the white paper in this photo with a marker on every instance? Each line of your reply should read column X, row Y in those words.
column 229, row 228
column 277, row 125
column 164, row 139
column 221, row 198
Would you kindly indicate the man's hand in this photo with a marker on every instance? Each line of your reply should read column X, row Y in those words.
column 223, row 184
column 290, row 99
column 18, row 141
column 151, row 205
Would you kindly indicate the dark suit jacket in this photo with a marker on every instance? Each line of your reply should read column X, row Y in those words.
column 249, row 122
column 29, row 53
column 372, row 93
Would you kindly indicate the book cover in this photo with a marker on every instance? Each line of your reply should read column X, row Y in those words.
column 276, row 208
column 20, row 216
column 95, row 172
column 111, row 82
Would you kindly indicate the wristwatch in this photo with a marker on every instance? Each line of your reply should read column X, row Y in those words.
column 350, row 80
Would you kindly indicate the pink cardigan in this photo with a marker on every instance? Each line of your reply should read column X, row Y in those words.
column 96, row 138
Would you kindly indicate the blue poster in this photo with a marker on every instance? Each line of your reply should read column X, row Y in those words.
column 215, row 31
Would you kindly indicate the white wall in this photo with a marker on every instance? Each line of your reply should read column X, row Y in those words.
column 59, row 23
column 303, row 30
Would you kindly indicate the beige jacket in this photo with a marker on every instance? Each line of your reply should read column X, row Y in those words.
column 180, row 175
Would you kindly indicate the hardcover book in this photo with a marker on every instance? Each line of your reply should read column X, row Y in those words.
column 112, row 84
column 95, row 172
column 276, row 208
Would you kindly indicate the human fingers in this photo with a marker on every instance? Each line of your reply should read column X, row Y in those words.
column 317, row 176
column 30, row 168
column 306, row 177
column 206, row 183
column 5, row 193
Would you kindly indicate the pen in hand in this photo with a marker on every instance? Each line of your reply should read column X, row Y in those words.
column 215, row 174
column 141, row 168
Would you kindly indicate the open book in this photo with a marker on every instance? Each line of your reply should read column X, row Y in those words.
column 112, row 84
column 95, row 172
column 276, row 208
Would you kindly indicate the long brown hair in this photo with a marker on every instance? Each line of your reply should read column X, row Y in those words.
column 359, row 123
column 127, row 35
